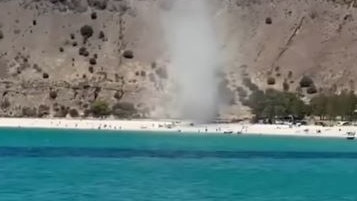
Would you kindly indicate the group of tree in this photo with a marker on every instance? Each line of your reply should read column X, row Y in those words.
column 271, row 104
column 331, row 106
column 101, row 108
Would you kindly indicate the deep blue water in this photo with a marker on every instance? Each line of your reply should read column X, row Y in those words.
column 96, row 165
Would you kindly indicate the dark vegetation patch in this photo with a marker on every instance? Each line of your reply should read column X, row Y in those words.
column 101, row 35
column 268, row 20
column 43, row 110
column 98, row 4
column 290, row 74
column 153, row 65
column 53, row 94
column 92, row 61
column 306, row 82
column 271, row 81
column 61, row 111
column 162, row 73
column 29, row 112
column 119, row 94
column 311, row 90
column 93, row 16
column 86, row 32
column 286, row 86
column 249, row 84
column 5, row 103
column 83, row 52
column 124, row 110
column 37, row 68
column 73, row 112
column 128, row 54
column 91, row 69
column 1, row 35
column 100, row 108
column 45, row 76
column 143, row 73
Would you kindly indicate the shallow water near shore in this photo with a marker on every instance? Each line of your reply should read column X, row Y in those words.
column 42, row 164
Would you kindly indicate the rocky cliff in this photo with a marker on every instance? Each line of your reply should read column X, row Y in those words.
column 59, row 56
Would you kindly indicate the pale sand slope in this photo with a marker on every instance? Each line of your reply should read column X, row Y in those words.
column 178, row 126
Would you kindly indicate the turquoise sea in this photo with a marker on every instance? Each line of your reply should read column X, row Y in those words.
column 55, row 165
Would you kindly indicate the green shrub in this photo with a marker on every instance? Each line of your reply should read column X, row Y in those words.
column 62, row 111
column 86, row 32
column 43, row 110
column 271, row 81
column 92, row 61
column 5, row 103
column 73, row 112
column 124, row 110
column 100, row 108
column 268, row 20
column 306, row 82
column 29, row 112
column 311, row 90
column 248, row 83
column 93, row 15
column 53, row 94
column 286, row 86
column 101, row 35
column 290, row 74
column 45, row 76
column 118, row 94
column 128, row 54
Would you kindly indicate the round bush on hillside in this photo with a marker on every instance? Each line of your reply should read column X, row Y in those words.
column 128, row 54
column 306, row 82
column 45, row 76
column 311, row 90
column 91, row 69
column 268, row 20
column 271, row 81
column 86, row 31
column 286, row 86
column 73, row 112
column 93, row 16
column 53, row 94
column 92, row 61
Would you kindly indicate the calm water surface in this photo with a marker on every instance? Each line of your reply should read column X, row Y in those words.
column 95, row 165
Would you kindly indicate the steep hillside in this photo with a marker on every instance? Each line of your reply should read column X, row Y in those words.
column 58, row 55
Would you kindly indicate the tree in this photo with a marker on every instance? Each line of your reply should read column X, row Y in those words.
column 306, row 82
column 124, row 110
column 100, row 108
column 272, row 103
column 319, row 105
column 271, row 81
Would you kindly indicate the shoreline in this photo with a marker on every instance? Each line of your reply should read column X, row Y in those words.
column 176, row 126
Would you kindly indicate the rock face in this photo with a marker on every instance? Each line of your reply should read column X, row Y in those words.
column 61, row 55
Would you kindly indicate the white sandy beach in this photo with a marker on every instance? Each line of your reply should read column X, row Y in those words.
column 178, row 127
